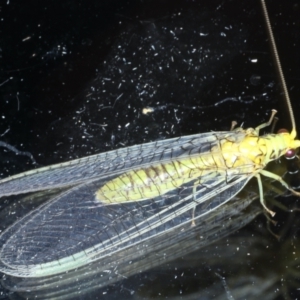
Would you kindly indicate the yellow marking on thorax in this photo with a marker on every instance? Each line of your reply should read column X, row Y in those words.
column 257, row 150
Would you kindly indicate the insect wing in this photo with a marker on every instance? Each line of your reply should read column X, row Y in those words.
column 111, row 163
column 73, row 229
column 156, row 251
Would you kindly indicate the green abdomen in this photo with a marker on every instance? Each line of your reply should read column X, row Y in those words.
column 155, row 180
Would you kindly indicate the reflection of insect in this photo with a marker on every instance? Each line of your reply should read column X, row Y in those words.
column 155, row 251
column 116, row 199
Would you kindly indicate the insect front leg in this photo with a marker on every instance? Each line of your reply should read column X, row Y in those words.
column 273, row 113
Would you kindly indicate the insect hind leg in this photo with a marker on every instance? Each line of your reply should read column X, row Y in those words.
column 278, row 178
column 194, row 208
column 261, row 195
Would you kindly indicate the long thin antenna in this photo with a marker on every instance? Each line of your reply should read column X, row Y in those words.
column 278, row 65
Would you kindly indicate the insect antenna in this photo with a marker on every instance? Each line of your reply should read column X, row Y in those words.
column 279, row 68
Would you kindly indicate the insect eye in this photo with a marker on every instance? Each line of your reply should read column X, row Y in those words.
column 282, row 130
column 290, row 154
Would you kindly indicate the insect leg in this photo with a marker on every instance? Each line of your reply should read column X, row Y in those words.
column 195, row 200
column 195, row 185
column 194, row 208
column 233, row 125
column 261, row 194
column 274, row 124
column 257, row 129
column 278, row 178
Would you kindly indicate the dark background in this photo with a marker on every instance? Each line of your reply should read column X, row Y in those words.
column 58, row 58
column 76, row 75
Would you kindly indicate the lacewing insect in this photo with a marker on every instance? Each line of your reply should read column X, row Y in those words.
column 118, row 198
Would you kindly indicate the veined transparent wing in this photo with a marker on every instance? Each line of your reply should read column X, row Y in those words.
column 73, row 229
column 156, row 251
column 111, row 163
